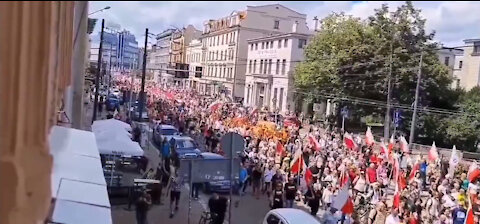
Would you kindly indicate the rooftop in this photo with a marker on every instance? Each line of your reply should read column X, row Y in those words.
column 278, row 36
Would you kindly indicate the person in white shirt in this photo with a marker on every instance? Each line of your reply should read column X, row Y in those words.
column 393, row 217
column 268, row 174
column 327, row 196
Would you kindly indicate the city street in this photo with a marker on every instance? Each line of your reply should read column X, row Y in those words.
column 250, row 210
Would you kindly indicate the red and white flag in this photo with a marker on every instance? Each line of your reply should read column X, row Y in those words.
column 348, row 140
column 214, row 106
column 297, row 163
column 396, row 175
column 369, row 137
column 342, row 201
column 280, row 149
column 404, row 145
column 384, row 151
column 391, row 144
column 308, row 175
column 433, row 153
column 414, row 171
column 473, row 172
column 313, row 141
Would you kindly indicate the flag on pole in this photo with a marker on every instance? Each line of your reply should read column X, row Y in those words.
column 404, row 145
column 391, row 144
column 308, row 174
column 454, row 159
column 369, row 137
column 470, row 219
column 342, row 201
column 433, row 153
column 314, row 143
column 297, row 163
column 414, row 171
column 384, row 150
column 348, row 140
column 280, row 148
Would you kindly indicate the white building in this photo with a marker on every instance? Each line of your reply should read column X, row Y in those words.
column 467, row 65
column 271, row 65
column 195, row 58
column 451, row 57
column 225, row 42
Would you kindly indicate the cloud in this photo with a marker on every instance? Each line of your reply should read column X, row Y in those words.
column 452, row 21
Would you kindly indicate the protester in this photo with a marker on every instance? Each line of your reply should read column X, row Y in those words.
column 218, row 207
column 141, row 208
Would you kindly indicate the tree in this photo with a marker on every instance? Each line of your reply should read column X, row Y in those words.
column 353, row 57
column 464, row 130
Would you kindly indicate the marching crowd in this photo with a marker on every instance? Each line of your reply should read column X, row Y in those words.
column 352, row 179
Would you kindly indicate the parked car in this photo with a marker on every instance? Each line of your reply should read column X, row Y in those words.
column 220, row 186
column 288, row 216
column 186, row 147
column 162, row 131
column 112, row 103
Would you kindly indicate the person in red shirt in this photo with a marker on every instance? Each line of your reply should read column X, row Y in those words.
column 371, row 174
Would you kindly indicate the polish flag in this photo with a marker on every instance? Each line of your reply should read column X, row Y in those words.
column 384, row 150
column 396, row 197
column 433, row 153
column 314, row 143
column 473, row 172
column 308, row 175
column 297, row 163
column 404, row 145
column 470, row 219
column 391, row 144
column 348, row 140
column 415, row 169
column 342, row 201
column 369, row 137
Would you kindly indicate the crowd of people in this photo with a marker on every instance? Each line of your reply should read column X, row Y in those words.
column 313, row 164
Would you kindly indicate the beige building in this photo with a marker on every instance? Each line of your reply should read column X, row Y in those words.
column 271, row 65
column 226, row 47
column 195, row 58
column 467, row 65
column 450, row 58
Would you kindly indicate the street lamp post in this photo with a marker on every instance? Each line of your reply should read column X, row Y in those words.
column 100, row 10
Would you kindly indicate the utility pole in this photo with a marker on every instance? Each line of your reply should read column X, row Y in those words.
column 415, row 103
column 109, row 70
column 144, row 68
column 97, row 77
column 386, row 126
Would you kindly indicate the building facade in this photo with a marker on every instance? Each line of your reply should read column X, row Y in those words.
column 271, row 63
column 195, row 57
column 450, row 57
column 467, row 65
column 225, row 43
column 119, row 51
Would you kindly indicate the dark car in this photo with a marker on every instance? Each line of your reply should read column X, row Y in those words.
column 220, row 186
column 186, row 148
column 112, row 103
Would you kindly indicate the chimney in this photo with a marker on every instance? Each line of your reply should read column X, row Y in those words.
column 294, row 27
column 316, row 23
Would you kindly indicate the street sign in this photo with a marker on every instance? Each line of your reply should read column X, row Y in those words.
column 397, row 117
column 232, row 144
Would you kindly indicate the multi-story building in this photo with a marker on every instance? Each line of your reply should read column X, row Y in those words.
column 467, row 65
column 271, row 63
column 450, row 58
column 119, row 50
column 180, row 41
column 195, row 58
column 169, row 54
column 225, row 41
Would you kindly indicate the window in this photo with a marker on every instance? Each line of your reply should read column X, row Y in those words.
column 251, row 47
column 277, row 68
column 270, row 66
column 233, row 37
column 250, row 66
column 266, row 45
column 231, row 72
column 301, row 43
column 224, row 71
column 276, row 24
column 215, row 71
column 265, row 66
column 248, row 93
column 271, row 44
column 272, row 219
column 263, row 45
column 476, row 48
column 261, row 66
column 280, row 101
column 256, row 46
column 225, row 56
column 460, row 65
column 284, row 65
column 285, row 44
column 254, row 66
column 447, row 60
column 279, row 44
column 274, row 99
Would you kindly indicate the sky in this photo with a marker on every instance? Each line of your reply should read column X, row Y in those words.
column 452, row 21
